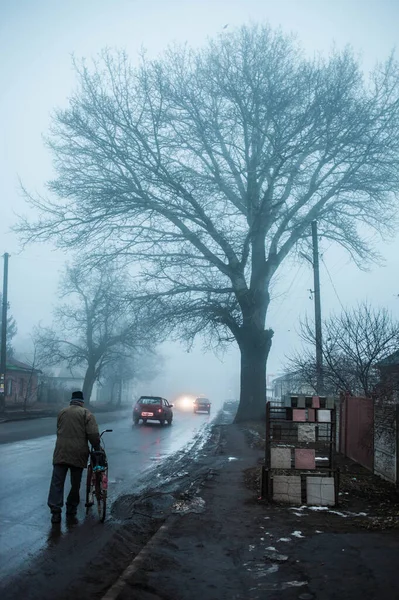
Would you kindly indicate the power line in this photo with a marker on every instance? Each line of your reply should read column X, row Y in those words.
column 332, row 283
column 34, row 258
column 285, row 296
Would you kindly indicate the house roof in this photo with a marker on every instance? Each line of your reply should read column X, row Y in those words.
column 389, row 361
column 17, row 365
column 285, row 377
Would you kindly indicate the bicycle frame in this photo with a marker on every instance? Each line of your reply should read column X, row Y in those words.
column 97, row 485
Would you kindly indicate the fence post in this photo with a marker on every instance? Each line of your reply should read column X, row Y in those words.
column 397, row 444
column 346, row 424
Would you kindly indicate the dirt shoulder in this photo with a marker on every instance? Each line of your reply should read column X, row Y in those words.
column 243, row 548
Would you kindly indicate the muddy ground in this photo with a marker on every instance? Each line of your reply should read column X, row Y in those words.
column 226, row 542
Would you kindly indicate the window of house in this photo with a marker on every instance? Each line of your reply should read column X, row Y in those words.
column 9, row 387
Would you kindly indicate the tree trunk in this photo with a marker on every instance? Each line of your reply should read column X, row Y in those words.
column 254, row 347
column 90, row 377
column 119, row 400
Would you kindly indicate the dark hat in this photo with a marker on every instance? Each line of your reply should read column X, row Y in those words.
column 77, row 396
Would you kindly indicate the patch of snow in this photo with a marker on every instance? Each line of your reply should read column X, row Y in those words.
column 297, row 534
column 262, row 572
column 322, row 458
column 298, row 514
column 290, row 584
column 232, row 458
column 324, row 508
column 251, row 547
column 272, row 569
column 196, row 505
column 317, row 531
column 284, row 540
column 271, row 548
column 275, row 556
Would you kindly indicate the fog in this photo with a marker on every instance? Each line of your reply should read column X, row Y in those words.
column 37, row 39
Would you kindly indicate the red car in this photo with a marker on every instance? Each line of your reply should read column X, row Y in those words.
column 153, row 408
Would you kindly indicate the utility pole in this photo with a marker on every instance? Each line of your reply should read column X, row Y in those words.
column 3, row 359
column 317, row 311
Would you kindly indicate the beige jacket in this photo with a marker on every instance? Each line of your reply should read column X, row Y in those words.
column 76, row 426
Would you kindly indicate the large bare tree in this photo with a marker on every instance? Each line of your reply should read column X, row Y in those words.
column 355, row 342
column 207, row 167
column 96, row 329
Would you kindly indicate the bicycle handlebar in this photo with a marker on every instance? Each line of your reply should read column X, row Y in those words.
column 106, row 431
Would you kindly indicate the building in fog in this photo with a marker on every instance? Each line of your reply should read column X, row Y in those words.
column 21, row 384
column 289, row 384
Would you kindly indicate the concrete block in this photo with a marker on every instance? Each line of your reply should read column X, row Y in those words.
column 280, row 458
column 320, row 491
column 298, row 414
column 305, row 458
column 315, row 402
column 324, row 416
column 330, row 402
column 311, row 414
column 306, row 432
column 287, row 488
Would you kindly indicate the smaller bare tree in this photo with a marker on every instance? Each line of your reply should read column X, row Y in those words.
column 143, row 364
column 96, row 327
column 354, row 342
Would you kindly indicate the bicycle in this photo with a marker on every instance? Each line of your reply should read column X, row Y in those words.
column 97, row 480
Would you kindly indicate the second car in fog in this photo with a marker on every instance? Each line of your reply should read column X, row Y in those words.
column 202, row 405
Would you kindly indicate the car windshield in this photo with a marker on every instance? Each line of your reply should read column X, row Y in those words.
column 150, row 401
column 202, row 400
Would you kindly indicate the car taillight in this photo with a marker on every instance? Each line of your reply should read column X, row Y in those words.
column 136, row 408
column 159, row 410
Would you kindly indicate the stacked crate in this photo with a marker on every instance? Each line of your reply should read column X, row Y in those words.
column 299, row 457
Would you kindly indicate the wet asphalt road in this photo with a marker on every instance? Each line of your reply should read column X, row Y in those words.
column 25, row 471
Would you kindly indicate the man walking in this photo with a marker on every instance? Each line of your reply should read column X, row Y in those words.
column 76, row 426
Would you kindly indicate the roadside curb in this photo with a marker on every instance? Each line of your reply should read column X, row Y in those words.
column 114, row 591
column 10, row 419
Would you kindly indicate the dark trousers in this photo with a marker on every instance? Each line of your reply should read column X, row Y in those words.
column 56, row 493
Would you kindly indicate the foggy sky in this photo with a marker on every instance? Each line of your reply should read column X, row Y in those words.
column 37, row 38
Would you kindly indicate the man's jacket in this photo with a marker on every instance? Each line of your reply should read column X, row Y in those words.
column 75, row 427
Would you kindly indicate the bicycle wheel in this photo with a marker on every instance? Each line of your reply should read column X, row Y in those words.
column 89, row 489
column 101, row 497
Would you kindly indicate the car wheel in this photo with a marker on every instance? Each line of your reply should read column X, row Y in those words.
column 135, row 421
column 170, row 421
column 144, row 421
column 162, row 422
